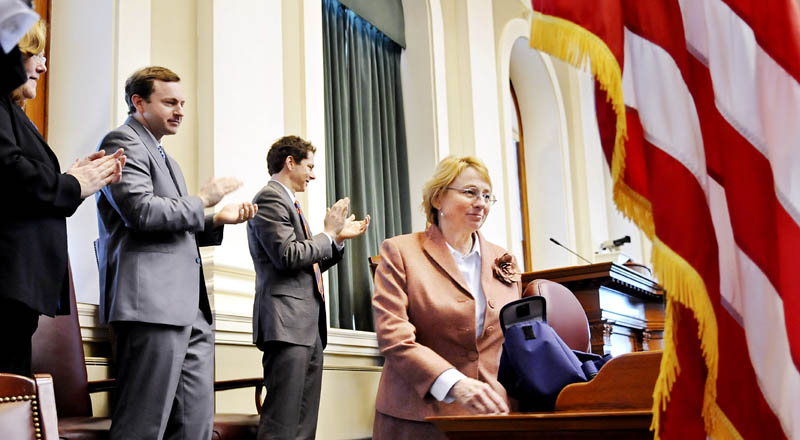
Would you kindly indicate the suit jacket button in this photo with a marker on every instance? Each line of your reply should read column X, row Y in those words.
column 198, row 260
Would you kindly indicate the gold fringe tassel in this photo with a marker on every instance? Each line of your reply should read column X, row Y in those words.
column 575, row 45
column 686, row 287
column 578, row 47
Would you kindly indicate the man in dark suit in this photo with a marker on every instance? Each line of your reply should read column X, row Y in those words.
column 289, row 323
column 152, row 289
column 34, row 270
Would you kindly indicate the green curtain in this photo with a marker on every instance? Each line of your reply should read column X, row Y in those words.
column 365, row 151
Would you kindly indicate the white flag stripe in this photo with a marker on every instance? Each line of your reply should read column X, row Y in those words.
column 694, row 27
column 666, row 107
column 753, row 92
column 748, row 291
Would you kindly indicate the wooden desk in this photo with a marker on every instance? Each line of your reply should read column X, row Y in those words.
column 625, row 309
column 616, row 404
column 567, row 425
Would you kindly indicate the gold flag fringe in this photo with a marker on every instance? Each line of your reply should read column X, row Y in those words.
column 580, row 48
column 577, row 46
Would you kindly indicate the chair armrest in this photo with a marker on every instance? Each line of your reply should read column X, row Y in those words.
column 98, row 386
column 47, row 406
column 235, row 384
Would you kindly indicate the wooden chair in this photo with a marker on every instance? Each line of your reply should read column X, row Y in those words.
column 564, row 313
column 374, row 261
column 27, row 408
column 58, row 351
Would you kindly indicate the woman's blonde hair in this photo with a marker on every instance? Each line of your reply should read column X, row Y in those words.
column 34, row 41
column 445, row 173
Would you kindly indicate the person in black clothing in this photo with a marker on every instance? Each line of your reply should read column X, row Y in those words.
column 34, row 272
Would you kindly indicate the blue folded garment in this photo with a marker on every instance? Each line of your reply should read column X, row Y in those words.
column 536, row 364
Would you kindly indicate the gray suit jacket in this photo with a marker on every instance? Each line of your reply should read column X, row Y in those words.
column 287, row 305
column 150, row 229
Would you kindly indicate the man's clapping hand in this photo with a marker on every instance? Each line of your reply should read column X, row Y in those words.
column 215, row 189
column 339, row 226
column 235, row 213
column 352, row 228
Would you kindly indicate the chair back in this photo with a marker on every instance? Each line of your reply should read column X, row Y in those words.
column 27, row 408
column 374, row 261
column 58, row 351
column 564, row 313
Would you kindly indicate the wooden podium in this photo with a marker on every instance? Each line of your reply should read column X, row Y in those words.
column 625, row 308
column 626, row 315
column 616, row 404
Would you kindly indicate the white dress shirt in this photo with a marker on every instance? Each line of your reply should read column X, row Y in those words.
column 470, row 267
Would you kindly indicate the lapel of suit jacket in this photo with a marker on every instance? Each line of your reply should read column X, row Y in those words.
column 436, row 247
column 42, row 143
column 487, row 265
column 297, row 222
column 150, row 144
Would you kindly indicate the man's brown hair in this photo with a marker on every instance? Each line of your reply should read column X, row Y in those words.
column 141, row 83
column 284, row 147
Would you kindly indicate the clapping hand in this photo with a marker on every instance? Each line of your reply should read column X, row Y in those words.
column 235, row 213
column 336, row 217
column 352, row 228
column 215, row 189
column 97, row 170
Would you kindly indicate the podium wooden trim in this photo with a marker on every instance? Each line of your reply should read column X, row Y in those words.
column 620, row 424
column 610, row 275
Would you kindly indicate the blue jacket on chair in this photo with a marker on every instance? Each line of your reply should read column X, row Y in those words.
column 536, row 364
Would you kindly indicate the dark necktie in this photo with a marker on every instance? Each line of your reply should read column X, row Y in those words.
column 317, row 271
column 169, row 167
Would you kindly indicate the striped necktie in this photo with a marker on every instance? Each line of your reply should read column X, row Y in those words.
column 317, row 271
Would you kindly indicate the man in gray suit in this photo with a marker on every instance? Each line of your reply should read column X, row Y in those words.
column 152, row 288
column 289, row 323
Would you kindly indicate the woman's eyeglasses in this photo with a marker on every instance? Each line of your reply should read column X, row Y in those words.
column 475, row 194
column 39, row 59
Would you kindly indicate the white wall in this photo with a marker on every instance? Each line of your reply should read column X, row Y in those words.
column 81, row 99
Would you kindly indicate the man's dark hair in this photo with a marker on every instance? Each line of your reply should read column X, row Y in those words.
column 284, row 147
column 141, row 83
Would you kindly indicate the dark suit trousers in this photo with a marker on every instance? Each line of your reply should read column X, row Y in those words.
column 165, row 381
column 293, row 378
column 18, row 322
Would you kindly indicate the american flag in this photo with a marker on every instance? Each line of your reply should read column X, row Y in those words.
column 698, row 105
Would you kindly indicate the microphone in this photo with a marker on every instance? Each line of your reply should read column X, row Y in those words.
column 613, row 245
column 570, row 250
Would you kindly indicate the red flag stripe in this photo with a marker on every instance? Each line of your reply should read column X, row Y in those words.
column 776, row 25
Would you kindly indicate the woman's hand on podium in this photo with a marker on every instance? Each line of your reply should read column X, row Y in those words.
column 478, row 397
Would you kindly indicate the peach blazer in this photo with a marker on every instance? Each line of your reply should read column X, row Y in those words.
column 425, row 322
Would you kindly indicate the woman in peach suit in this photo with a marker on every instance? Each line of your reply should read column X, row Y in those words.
column 437, row 300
